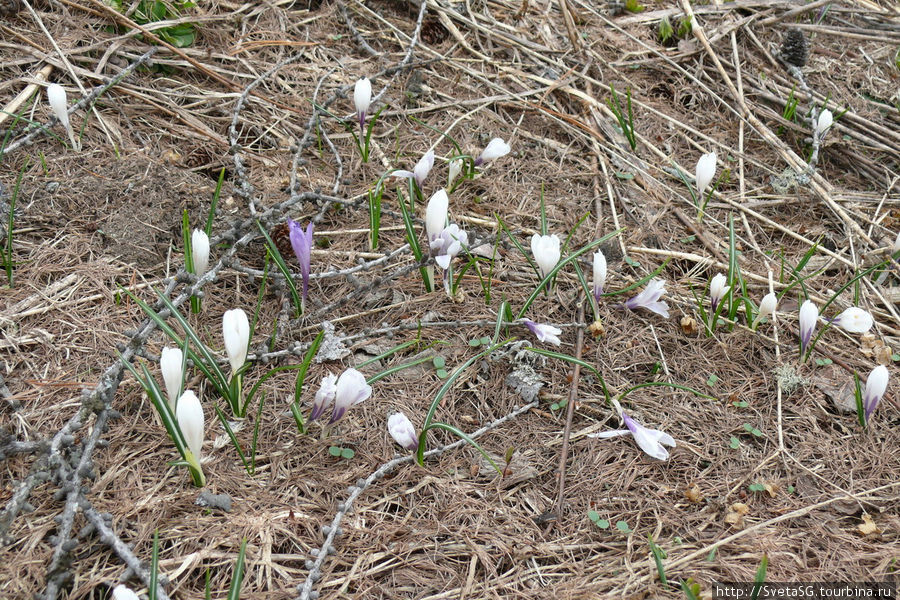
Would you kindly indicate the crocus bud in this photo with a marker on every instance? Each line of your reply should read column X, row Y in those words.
column 766, row 308
column 495, row 149
column 455, row 169
column 402, row 430
column 236, row 333
column 190, row 420
column 362, row 98
column 854, row 320
column 826, row 120
column 56, row 96
column 324, row 397
column 120, row 592
column 876, row 385
column 706, row 170
column 545, row 249
column 200, row 251
column 809, row 314
column 717, row 290
column 436, row 214
column 302, row 242
column 423, row 167
column 351, row 389
column 170, row 361
column 599, row 274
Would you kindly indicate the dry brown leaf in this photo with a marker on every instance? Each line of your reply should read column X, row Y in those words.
column 772, row 489
column 596, row 329
column 884, row 355
column 689, row 325
column 736, row 514
column 868, row 526
column 693, row 493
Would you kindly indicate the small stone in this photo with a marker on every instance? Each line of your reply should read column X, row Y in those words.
column 210, row 500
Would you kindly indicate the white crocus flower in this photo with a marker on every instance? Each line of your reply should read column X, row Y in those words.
column 826, row 120
column 809, row 314
column 599, row 274
column 650, row 298
column 403, row 431
column 191, row 422
column 362, row 99
column 420, row 171
column 236, row 332
column 766, row 308
column 436, row 214
column 543, row 332
column 170, row 361
column 706, row 170
column 200, row 251
column 56, row 96
column 351, row 389
column 448, row 245
column 545, row 249
column 854, row 320
column 494, row 150
column 876, row 385
column 650, row 441
column 717, row 290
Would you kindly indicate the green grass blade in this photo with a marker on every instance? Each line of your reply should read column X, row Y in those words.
column 215, row 202
column 282, row 266
column 460, row 434
column 575, row 361
column 234, row 440
column 234, row 592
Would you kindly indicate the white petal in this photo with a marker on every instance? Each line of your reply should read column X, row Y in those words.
column 402, row 430
column 236, row 333
column 826, row 120
column 495, row 149
column 706, row 170
column 609, row 434
column 436, row 213
column 120, row 592
column 170, row 360
column 200, row 251
column 599, row 270
column 855, row 320
column 362, row 95
column 56, row 96
column 191, row 421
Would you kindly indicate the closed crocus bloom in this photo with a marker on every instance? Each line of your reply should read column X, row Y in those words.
column 706, row 170
column 324, row 397
column 455, row 169
column 362, row 98
column 420, row 171
column 402, row 430
column 826, row 120
column 650, row 441
column 236, row 333
column 876, row 385
column 543, row 332
column 599, row 274
column 170, row 360
column 200, row 251
column 854, row 320
column 59, row 104
column 766, row 308
column 436, row 214
column 545, row 249
column 301, row 243
column 717, row 290
column 120, row 592
column 809, row 314
column 190, row 420
column 351, row 389
column 494, row 150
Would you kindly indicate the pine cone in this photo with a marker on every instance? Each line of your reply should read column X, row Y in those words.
column 795, row 48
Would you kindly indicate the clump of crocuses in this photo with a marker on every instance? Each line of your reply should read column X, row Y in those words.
column 345, row 391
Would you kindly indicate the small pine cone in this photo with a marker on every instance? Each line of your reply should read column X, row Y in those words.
column 795, row 48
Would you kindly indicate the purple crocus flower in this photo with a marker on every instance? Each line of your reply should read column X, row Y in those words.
column 301, row 242
column 650, row 298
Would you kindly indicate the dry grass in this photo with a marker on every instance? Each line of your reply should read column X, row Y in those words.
column 110, row 216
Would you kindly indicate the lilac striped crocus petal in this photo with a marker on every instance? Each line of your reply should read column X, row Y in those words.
column 544, row 333
column 809, row 314
column 351, row 389
column 301, row 242
column 324, row 397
